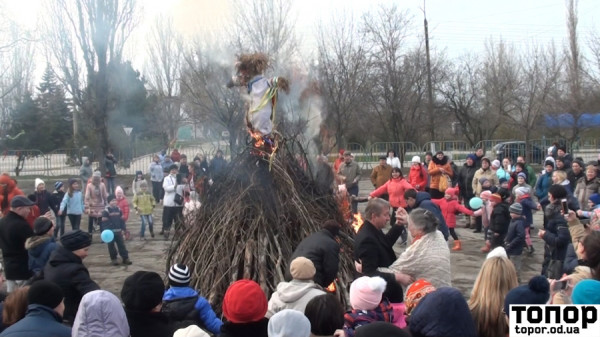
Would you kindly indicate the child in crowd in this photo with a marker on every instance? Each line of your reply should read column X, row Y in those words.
column 135, row 185
column 515, row 236
column 55, row 200
column 73, row 203
column 112, row 219
column 184, row 306
column 594, row 213
column 503, row 183
column 500, row 218
column 40, row 245
column 143, row 203
column 368, row 304
column 450, row 206
column 124, row 207
column 523, row 196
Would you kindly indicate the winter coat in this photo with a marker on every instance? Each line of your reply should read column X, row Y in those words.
column 252, row 329
column 531, row 176
column 171, row 188
column 543, row 184
column 434, row 171
column 135, row 185
column 100, row 314
column 374, row 250
column 528, row 207
column 185, row 307
column 14, row 231
column 112, row 218
column 351, row 172
column 423, row 201
column 165, row 166
column 465, row 181
column 515, row 237
column 8, row 190
column 156, row 172
column 449, row 209
column 39, row 247
column 557, row 236
column 584, row 189
column 574, row 178
column 74, row 204
column 380, row 175
column 481, row 173
column 500, row 218
column 42, row 200
column 395, row 188
column 40, row 321
column 122, row 203
column 324, row 252
column 293, row 295
column 96, row 198
column 144, row 203
column 109, row 163
column 149, row 324
column 55, row 199
column 393, row 162
column 85, row 172
column 354, row 319
column 67, row 270
column 418, row 177
column 217, row 166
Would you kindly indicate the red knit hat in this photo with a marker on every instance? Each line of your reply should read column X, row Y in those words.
column 244, row 302
column 416, row 292
column 453, row 191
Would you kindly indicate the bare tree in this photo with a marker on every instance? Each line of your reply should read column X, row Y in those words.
column 342, row 73
column 575, row 103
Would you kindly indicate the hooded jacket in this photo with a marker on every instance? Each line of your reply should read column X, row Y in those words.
column 423, row 201
column 100, row 314
column 144, row 203
column 543, row 184
column 450, row 207
column 122, row 202
column 55, row 200
column 418, row 177
column 14, row 231
column 86, row 170
column 39, row 247
column 324, row 252
column 293, row 295
column 395, row 188
column 515, row 237
column 8, row 190
column 584, row 189
column 198, row 310
column 96, row 198
column 40, row 321
column 150, row 324
column 67, row 270
column 380, row 175
column 434, row 171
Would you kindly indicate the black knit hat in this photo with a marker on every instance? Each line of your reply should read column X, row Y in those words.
column 41, row 225
column 179, row 275
column 142, row 291
column 45, row 293
column 76, row 239
column 110, row 198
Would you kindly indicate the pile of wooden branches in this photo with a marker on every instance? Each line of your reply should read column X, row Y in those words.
column 250, row 222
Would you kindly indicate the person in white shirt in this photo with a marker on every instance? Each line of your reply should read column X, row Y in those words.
column 392, row 159
column 172, row 201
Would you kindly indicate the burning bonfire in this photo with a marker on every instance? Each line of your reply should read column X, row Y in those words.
column 250, row 222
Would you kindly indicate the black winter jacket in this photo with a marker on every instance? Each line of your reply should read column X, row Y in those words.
column 324, row 252
column 149, row 324
column 500, row 218
column 465, row 180
column 252, row 329
column 40, row 321
column 14, row 231
column 67, row 270
column 515, row 237
column 557, row 236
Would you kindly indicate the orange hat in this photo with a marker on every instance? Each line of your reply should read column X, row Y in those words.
column 497, row 198
column 244, row 302
column 416, row 292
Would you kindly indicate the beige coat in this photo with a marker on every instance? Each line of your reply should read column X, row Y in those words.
column 489, row 174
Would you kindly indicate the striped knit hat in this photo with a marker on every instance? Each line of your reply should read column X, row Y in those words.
column 179, row 275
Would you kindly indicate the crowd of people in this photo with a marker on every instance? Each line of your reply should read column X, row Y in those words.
column 51, row 293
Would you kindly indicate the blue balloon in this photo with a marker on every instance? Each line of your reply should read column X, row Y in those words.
column 107, row 235
column 475, row 203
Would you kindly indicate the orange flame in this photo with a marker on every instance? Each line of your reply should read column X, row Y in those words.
column 357, row 223
column 259, row 142
column 331, row 288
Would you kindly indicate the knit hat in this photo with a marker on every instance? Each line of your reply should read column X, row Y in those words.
column 504, row 193
column 595, row 198
column 244, row 302
column 288, row 323
column 586, row 292
column 110, row 198
column 416, row 159
column 502, row 181
column 380, row 329
column 522, row 175
column 482, row 180
column 142, row 291
column 45, row 293
column 302, row 268
column 495, row 197
column 75, row 240
column 416, row 292
column 516, row 208
column 453, row 191
column 38, row 181
column 191, row 331
column 41, row 225
column 486, row 159
column 549, row 163
column 58, row 185
column 443, row 312
column 496, row 163
column 522, row 190
column 173, row 167
column 497, row 252
column 579, row 162
column 485, row 195
column 119, row 192
column 472, row 156
column 366, row 292
column 536, row 292
column 179, row 275
column 96, row 174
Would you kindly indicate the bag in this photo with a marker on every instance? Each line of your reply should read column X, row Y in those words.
column 445, row 183
column 178, row 199
column 554, row 270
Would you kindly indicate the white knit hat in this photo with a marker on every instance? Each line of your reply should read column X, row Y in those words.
column 38, row 181
column 179, row 275
column 191, row 331
column 366, row 292
column 416, row 159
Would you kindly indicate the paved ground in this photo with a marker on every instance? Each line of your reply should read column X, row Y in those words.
column 151, row 255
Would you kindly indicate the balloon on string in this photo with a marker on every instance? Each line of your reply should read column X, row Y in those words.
column 475, row 203
column 107, row 235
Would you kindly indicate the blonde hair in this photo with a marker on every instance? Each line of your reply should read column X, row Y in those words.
column 562, row 175
column 496, row 278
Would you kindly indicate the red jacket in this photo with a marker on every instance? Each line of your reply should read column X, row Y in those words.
column 418, row 176
column 450, row 207
column 395, row 188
